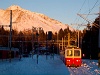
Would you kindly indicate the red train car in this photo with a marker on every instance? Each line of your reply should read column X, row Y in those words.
column 73, row 56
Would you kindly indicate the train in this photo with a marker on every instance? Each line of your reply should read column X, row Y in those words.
column 73, row 56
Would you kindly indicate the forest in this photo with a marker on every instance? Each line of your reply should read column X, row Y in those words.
column 88, row 39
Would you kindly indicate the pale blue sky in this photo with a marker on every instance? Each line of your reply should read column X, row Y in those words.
column 64, row 11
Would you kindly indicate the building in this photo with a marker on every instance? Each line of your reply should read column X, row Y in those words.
column 5, row 52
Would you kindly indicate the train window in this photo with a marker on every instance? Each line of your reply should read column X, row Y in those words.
column 76, row 53
column 69, row 53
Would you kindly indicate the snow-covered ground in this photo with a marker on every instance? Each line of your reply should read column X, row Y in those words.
column 88, row 67
column 29, row 66
column 49, row 66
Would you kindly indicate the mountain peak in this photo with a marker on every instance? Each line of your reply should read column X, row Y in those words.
column 14, row 7
column 26, row 20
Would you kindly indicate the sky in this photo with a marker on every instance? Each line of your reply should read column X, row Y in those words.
column 64, row 11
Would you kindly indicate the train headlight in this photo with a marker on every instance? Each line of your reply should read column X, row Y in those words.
column 77, row 60
column 68, row 60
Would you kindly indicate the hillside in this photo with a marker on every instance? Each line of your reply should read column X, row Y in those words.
column 24, row 19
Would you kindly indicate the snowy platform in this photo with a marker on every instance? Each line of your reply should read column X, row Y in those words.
column 29, row 66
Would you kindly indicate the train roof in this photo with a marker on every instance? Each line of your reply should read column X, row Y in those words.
column 75, row 47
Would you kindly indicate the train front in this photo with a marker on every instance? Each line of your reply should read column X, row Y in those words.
column 73, row 57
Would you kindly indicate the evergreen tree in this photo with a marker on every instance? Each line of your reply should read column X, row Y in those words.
column 90, row 41
column 4, row 37
column 42, row 35
column 60, row 34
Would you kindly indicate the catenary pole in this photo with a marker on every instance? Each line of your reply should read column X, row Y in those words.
column 99, row 31
column 99, row 41
column 10, row 39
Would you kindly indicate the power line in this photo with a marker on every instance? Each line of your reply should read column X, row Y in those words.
column 93, row 7
column 90, row 10
column 81, row 8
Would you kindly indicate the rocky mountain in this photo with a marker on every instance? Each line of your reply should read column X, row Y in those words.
column 24, row 19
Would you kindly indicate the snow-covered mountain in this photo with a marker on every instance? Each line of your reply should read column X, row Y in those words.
column 24, row 19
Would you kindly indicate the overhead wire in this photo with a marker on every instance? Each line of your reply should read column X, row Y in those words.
column 90, row 10
column 80, row 11
column 81, row 7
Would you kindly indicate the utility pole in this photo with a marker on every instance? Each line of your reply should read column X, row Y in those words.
column 99, row 41
column 99, row 29
column 32, row 41
column 62, row 43
column 10, row 40
column 78, row 39
column 57, row 44
column 10, row 35
column 46, row 45
column 68, row 39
